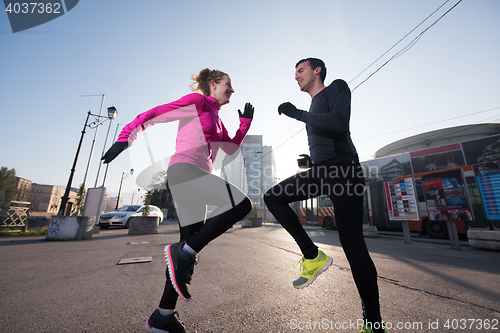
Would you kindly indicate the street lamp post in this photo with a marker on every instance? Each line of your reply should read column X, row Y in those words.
column 246, row 157
column 133, row 193
column 93, row 142
column 65, row 198
column 107, row 164
column 112, row 112
column 124, row 175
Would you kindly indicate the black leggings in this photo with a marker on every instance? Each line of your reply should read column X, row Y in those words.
column 192, row 190
column 344, row 184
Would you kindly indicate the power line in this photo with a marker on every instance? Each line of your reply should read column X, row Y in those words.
column 273, row 149
column 288, row 130
column 435, row 122
column 402, row 130
column 364, row 70
column 407, row 47
column 445, row 133
column 489, row 120
column 401, row 52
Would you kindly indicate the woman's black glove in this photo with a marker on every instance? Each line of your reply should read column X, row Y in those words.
column 291, row 111
column 248, row 111
column 304, row 162
column 114, row 151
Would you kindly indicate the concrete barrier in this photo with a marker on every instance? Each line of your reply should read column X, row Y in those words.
column 256, row 221
column 70, row 228
column 484, row 239
column 370, row 230
column 246, row 224
column 252, row 222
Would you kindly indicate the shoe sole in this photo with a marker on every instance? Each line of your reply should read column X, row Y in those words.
column 321, row 270
column 151, row 329
column 168, row 258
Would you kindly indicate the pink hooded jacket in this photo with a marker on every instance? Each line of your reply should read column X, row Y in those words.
column 200, row 132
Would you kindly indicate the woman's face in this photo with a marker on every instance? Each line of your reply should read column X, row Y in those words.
column 222, row 91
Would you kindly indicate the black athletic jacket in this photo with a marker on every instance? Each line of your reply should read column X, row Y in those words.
column 327, row 124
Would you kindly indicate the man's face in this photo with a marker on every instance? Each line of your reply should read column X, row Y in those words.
column 305, row 76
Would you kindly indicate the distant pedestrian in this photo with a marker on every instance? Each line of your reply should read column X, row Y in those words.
column 200, row 135
column 334, row 170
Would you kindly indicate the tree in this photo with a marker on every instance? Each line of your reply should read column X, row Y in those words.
column 159, row 193
column 8, row 182
column 109, row 205
column 80, row 201
column 157, row 189
column 147, row 202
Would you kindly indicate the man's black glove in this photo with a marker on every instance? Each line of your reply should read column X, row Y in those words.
column 291, row 111
column 304, row 162
column 114, row 151
column 248, row 112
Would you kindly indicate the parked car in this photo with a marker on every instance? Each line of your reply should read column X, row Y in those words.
column 121, row 216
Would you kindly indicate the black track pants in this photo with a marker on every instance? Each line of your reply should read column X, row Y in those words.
column 192, row 190
column 344, row 184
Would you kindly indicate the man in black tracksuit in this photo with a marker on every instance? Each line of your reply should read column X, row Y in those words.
column 332, row 169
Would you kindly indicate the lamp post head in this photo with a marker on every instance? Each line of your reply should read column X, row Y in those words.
column 112, row 112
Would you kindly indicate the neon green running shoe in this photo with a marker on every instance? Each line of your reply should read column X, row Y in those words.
column 311, row 268
column 369, row 330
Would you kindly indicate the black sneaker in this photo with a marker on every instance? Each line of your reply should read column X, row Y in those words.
column 180, row 268
column 168, row 324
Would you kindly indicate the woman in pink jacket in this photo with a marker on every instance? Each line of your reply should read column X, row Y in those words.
column 200, row 135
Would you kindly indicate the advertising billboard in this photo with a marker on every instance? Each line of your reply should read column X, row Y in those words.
column 401, row 200
column 446, row 196
column 488, row 180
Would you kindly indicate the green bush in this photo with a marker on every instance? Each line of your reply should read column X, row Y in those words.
column 8, row 232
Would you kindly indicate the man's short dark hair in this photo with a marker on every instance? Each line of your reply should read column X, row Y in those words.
column 315, row 63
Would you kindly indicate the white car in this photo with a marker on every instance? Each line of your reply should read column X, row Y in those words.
column 121, row 216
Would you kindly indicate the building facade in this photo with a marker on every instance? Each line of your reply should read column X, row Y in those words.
column 47, row 198
column 253, row 170
column 23, row 190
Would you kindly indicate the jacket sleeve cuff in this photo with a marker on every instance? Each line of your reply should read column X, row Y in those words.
column 302, row 116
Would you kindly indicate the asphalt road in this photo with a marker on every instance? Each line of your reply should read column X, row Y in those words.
column 243, row 283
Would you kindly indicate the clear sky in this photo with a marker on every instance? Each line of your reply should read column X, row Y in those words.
column 141, row 54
